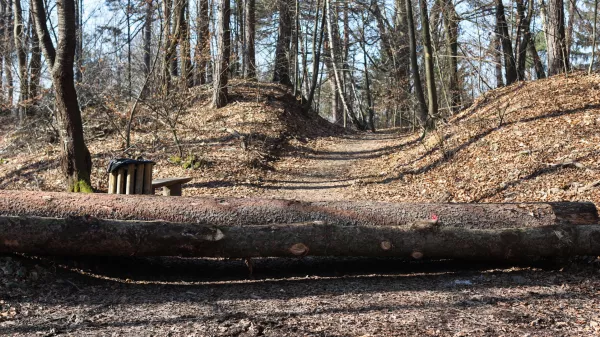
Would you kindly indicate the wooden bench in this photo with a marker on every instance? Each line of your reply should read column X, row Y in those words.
column 170, row 186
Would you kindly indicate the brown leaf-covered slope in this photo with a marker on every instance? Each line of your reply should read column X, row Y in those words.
column 532, row 141
column 233, row 144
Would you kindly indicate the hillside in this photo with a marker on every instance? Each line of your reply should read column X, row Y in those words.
column 532, row 141
column 237, row 142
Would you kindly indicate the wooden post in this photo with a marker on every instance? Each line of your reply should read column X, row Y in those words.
column 120, row 180
column 172, row 191
column 112, row 182
column 129, row 189
column 139, row 179
column 148, row 179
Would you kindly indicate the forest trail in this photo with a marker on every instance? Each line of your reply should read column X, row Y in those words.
column 330, row 168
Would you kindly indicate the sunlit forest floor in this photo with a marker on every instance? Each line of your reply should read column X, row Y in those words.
column 532, row 141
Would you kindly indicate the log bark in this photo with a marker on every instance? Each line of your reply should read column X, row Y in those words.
column 92, row 236
column 252, row 211
column 119, row 225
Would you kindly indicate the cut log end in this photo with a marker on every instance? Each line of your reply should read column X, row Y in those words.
column 417, row 255
column 385, row 245
column 299, row 249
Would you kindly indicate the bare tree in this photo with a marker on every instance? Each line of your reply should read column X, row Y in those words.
column 281, row 72
column 19, row 43
column 35, row 65
column 220, row 77
column 202, row 51
column 76, row 160
column 429, row 71
column 414, row 66
column 558, row 61
column 250, row 37
column 451, row 20
column 510, row 66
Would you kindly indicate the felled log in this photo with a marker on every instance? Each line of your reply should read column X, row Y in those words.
column 92, row 236
column 121, row 225
column 253, row 211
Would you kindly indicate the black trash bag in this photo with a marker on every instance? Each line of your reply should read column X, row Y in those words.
column 117, row 163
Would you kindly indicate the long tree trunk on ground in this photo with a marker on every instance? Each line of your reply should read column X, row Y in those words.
column 35, row 65
column 148, row 35
column 281, row 73
column 51, row 223
column 429, row 71
column 19, row 43
column 202, row 53
column 537, row 63
column 557, row 47
column 220, row 77
column 76, row 160
column 451, row 21
column 422, row 106
column 250, row 36
column 507, row 51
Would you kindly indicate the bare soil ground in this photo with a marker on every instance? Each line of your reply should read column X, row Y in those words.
column 475, row 157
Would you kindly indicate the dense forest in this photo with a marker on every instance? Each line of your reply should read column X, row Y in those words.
column 361, row 64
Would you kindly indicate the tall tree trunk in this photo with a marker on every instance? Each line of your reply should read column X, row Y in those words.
column 149, row 17
column 187, row 78
column 497, row 50
column 19, row 43
column 202, row 53
column 507, row 51
column 429, row 71
column 281, row 73
column 451, row 20
column 220, row 77
column 128, row 11
column 334, row 50
column 8, row 44
column 558, row 61
column 316, row 47
column 537, row 63
column 570, row 24
column 414, row 66
column 250, row 36
column 76, row 161
column 594, row 32
column 3, row 48
column 523, row 36
column 370, row 109
column 35, row 64
column 79, row 42
column 166, row 62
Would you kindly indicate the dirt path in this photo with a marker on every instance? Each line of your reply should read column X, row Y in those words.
column 329, row 168
column 300, row 297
